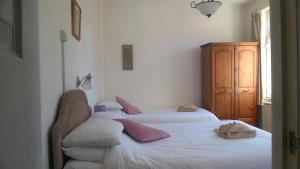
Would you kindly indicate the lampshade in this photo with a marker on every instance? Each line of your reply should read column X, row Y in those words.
column 85, row 83
column 207, row 8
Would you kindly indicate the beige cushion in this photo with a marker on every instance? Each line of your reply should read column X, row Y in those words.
column 95, row 133
column 187, row 108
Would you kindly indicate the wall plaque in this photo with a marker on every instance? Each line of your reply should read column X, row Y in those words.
column 127, row 57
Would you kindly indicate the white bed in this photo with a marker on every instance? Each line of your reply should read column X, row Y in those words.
column 192, row 146
column 170, row 115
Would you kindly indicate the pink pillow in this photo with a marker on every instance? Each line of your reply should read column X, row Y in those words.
column 141, row 132
column 128, row 108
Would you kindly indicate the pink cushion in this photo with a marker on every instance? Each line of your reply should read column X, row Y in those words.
column 141, row 132
column 127, row 107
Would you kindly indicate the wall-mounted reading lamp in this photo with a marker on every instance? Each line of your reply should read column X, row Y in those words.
column 85, row 83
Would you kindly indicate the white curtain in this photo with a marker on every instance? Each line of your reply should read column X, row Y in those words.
column 266, row 56
column 256, row 36
column 261, row 33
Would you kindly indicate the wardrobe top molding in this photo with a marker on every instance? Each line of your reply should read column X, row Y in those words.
column 230, row 44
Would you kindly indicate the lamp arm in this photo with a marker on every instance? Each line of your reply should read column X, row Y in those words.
column 193, row 4
column 79, row 81
column 83, row 78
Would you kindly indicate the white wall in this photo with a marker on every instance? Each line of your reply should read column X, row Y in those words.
column 81, row 57
column 248, row 9
column 278, row 123
column 166, row 39
column 267, row 118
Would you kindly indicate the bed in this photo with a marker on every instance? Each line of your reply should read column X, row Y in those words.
column 192, row 145
column 170, row 115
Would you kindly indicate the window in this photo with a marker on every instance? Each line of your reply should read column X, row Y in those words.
column 10, row 27
column 266, row 56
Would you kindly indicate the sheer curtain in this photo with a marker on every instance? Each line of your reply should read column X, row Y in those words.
column 261, row 33
column 256, row 36
column 266, row 57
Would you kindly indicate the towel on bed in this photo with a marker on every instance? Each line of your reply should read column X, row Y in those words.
column 235, row 131
column 187, row 108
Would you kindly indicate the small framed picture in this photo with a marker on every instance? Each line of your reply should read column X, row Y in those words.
column 127, row 57
column 76, row 20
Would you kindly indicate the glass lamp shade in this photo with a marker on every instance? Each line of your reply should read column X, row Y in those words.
column 87, row 84
column 208, row 8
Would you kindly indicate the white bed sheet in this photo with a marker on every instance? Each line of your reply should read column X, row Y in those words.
column 193, row 146
column 74, row 164
column 170, row 115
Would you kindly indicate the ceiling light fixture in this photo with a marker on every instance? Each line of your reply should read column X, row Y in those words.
column 207, row 7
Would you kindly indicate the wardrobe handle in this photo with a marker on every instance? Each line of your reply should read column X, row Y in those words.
column 223, row 91
column 246, row 91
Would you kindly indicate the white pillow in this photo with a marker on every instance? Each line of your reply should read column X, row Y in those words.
column 111, row 105
column 95, row 154
column 95, row 132
column 109, row 115
column 74, row 164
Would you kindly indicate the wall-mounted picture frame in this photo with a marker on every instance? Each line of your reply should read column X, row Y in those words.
column 76, row 20
column 127, row 50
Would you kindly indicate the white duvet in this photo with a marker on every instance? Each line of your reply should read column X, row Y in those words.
column 192, row 146
column 170, row 115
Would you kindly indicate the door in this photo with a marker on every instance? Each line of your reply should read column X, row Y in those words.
column 245, row 83
column 12, row 91
column 223, row 81
column 206, row 73
column 285, row 30
column 291, row 83
column 20, row 117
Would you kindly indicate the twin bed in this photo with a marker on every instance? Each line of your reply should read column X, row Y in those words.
column 192, row 144
column 170, row 115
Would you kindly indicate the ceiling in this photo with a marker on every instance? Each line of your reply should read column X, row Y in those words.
column 176, row 1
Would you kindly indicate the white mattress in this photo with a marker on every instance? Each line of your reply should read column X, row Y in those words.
column 192, row 146
column 73, row 164
column 170, row 115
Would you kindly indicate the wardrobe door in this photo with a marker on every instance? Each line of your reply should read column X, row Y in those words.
column 245, row 83
column 223, row 81
column 206, row 78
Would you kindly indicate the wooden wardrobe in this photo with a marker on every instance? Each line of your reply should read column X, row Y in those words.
column 229, row 75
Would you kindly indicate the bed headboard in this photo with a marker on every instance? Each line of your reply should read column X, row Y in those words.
column 73, row 110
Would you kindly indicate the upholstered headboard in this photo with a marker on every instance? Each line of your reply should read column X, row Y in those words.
column 73, row 110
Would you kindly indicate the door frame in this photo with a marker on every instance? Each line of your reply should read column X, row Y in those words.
column 285, row 77
column 277, row 107
column 298, row 62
